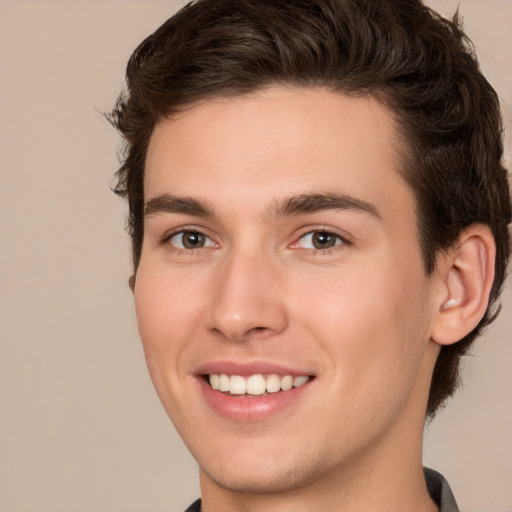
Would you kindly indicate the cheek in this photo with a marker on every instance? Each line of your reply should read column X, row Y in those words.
column 373, row 324
column 163, row 302
column 166, row 317
column 167, row 311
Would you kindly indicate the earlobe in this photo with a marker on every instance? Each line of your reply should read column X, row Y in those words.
column 465, row 275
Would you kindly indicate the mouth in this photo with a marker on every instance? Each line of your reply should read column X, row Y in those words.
column 253, row 391
column 256, row 385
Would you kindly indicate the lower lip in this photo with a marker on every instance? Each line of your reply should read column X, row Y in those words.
column 250, row 408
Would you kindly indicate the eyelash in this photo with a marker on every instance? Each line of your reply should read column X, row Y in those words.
column 341, row 241
column 166, row 240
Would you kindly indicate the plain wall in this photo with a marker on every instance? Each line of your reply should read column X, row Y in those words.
column 81, row 429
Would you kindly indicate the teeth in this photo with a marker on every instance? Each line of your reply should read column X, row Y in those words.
column 287, row 383
column 273, row 384
column 255, row 384
column 237, row 385
column 300, row 381
column 223, row 382
column 214, row 381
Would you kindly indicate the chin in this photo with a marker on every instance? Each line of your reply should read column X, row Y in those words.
column 260, row 480
column 263, row 473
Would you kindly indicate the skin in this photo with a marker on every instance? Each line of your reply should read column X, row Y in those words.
column 358, row 316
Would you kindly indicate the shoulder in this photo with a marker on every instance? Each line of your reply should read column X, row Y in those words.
column 440, row 491
column 195, row 507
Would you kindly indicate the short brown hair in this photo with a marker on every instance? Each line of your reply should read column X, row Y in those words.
column 418, row 64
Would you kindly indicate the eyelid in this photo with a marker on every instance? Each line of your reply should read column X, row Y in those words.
column 208, row 242
column 343, row 235
column 345, row 239
column 169, row 235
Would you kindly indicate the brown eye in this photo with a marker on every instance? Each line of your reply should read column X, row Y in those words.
column 319, row 240
column 190, row 240
column 323, row 240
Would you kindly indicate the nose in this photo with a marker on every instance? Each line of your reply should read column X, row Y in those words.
column 247, row 300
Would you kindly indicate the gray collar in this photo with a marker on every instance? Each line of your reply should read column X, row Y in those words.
column 440, row 491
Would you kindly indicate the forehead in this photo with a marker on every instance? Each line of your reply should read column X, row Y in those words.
column 253, row 150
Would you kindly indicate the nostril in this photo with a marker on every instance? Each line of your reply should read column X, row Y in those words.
column 256, row 330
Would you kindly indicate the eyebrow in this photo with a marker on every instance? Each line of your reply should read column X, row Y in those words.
column 292, row 206
column 310, row 203
column 166, row 203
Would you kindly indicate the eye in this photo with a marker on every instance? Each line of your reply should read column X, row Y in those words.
column 190, row 240
column 319, row 240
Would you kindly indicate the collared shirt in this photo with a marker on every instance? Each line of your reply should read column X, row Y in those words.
column 439, row 491
column 437, row 486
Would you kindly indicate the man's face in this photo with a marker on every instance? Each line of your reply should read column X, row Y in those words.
column 280, row 245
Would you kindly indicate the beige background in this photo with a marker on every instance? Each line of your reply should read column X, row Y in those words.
column 81, row 429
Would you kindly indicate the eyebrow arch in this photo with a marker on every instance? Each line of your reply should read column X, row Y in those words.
column 310, row 203
column 295, row 205
column 167, row 203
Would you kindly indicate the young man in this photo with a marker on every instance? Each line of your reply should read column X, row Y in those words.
column 319, row 218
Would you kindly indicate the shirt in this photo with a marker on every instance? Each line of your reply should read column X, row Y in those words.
column 437, row 487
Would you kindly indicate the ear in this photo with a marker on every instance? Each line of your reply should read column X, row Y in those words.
column 465, row 275
column 131, row 283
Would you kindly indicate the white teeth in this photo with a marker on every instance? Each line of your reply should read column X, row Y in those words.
column 214, row 381
column 273, row 384
column 237, row 385
column 300, row 381
column 223, row 382
column 287, row 383
column 255, row 384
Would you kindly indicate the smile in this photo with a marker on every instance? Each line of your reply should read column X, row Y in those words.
column 253, row 391
column 255, row 385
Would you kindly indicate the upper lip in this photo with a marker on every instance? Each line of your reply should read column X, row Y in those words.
column 245, row 369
